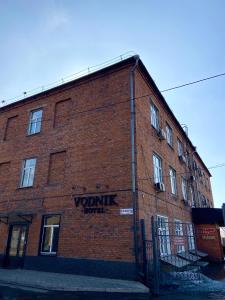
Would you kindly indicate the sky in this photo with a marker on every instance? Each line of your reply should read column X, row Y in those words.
column 178, row 41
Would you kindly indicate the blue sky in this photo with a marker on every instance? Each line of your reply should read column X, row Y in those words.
column 178, row 41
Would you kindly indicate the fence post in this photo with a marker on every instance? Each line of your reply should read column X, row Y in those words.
column 155, row 257
column 144, row 252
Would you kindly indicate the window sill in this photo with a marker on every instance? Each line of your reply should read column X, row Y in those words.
column 33, row 134
column 48, row 254
column 25, row 187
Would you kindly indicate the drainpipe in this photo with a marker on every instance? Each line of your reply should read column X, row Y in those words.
column 133, row 160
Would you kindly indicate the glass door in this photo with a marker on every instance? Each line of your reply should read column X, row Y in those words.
column 16, row 245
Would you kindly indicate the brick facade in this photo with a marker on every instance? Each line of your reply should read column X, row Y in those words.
column 84, row 150
column 209, row 241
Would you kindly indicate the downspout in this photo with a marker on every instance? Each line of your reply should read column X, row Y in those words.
column 133, row 161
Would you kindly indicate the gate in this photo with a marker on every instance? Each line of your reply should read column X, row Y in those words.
column 170, row 257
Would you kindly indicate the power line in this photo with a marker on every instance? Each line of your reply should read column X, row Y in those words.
column 99, row 108
column 192, row 82
column 217, row 166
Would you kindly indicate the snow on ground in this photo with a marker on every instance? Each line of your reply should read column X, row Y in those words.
column 191, row 282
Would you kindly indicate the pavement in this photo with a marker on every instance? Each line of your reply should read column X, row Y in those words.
column 68, row 282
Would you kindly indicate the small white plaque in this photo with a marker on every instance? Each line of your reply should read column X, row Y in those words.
column 126, row 211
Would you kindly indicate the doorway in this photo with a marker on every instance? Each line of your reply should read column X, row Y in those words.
column 16, row 247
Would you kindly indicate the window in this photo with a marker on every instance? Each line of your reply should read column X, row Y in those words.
column 163, row 234
column 35, row 121
column 190, row 234
column 180, row 148
column 169, row 135
column 203, row 201
column 184, row 188
column 192, row 199
column 178, row 234
column 27, row 174
column 157, row 164
column 199, row 198
column 173, row 181
column 50, row 234
column 154, row 116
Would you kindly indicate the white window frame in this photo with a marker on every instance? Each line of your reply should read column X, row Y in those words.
column 35, row 121
column 190, row 235
column 184, row 187
column 192, row 198
column 163, row 235
column 154, row 116
column 51, row 236
column 157, row 168
column 173, row 181
column 180, row 147
column 28, row 172
column 179, row 232
column 169, row 135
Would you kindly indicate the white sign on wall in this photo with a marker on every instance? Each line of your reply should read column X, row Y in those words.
column 126, row 211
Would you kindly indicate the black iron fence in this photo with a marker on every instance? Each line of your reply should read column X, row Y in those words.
column 170, row 257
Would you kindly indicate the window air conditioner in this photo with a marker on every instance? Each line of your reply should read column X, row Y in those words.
column 182, row 158
column 160, row 186
column 161, row 134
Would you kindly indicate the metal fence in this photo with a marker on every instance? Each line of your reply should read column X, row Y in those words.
column 170, row 258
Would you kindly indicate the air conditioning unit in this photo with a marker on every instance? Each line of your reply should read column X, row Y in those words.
column 182, row 158
column 160, row 186
column 161, row 134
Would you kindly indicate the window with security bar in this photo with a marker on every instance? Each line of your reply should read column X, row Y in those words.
column 191, row 238
column 163, row 236
column 179, row 236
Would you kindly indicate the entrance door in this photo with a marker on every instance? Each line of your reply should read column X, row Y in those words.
column 16, row 246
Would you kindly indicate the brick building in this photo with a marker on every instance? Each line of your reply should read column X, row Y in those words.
column 82, row 163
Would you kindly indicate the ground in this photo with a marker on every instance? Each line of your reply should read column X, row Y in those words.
column 9, row 292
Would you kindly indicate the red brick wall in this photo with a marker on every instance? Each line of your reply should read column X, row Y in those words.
column 151, row 202
column 208, row 240
column 96, row 138
column 57, row 168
